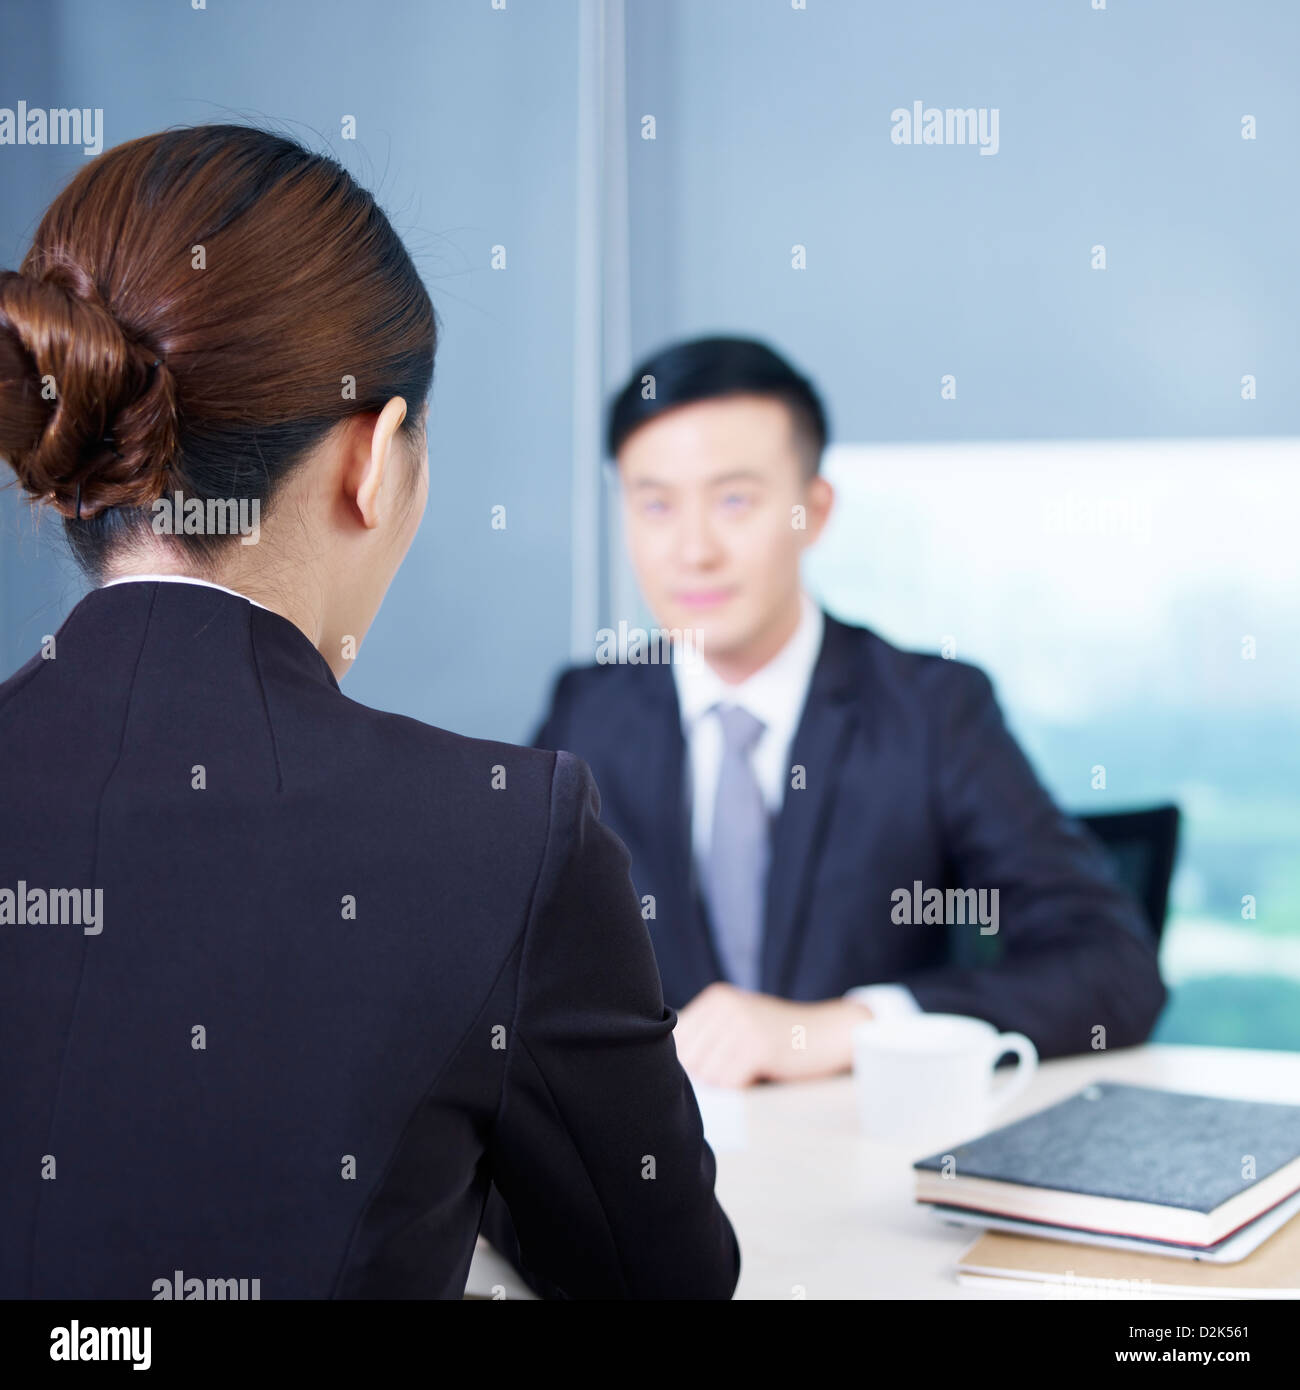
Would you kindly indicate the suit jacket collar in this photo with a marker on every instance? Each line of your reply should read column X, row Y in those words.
column 198, row 613
column 653, row 815
column 816, row 758
column 181, row 579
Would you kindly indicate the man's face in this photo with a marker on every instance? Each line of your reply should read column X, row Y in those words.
column 710, row 498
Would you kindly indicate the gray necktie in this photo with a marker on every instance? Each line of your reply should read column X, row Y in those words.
column 735, row 871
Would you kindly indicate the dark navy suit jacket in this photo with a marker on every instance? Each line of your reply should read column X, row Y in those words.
column 350, row 971
column 911, row 776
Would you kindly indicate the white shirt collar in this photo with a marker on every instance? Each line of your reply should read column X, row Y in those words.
column 181, row 579
column 775, row 693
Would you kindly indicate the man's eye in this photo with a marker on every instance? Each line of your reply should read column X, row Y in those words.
column 654, row 506
column 736, row 501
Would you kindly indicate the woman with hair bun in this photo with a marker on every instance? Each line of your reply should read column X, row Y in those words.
column 288, row 985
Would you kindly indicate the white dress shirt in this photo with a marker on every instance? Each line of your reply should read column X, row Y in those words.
column 181, row 579
column 774, row 694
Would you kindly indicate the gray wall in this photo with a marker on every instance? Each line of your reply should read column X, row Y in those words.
column 467, row 132
column 1119, row 127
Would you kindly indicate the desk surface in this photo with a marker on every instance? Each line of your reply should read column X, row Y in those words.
column 821, row 1212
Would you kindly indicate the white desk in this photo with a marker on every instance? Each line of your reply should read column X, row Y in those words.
column 822, row 1213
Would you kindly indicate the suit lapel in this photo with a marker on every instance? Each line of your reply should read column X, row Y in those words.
column 820, row 748
column 654, row 806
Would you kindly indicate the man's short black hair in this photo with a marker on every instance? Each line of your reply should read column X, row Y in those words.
column 707, row 369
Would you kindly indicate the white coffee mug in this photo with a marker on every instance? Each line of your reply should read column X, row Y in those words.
column 928, row 1079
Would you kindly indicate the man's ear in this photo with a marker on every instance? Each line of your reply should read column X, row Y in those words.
column 382, row 457
column 820, row 499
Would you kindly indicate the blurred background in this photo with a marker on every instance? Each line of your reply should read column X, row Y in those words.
column 1062, row 377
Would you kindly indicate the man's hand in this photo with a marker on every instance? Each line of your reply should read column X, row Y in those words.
column 733, row 1037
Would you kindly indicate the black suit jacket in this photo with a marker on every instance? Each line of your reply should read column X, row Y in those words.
column 240, row 1077
column 911, row 776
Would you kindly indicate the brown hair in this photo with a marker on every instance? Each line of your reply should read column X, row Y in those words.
column 185, row 319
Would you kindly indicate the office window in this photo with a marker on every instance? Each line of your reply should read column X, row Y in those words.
column 1137, row 605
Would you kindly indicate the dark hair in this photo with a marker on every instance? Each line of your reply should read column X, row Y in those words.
column 706, row 369
column 185, row 318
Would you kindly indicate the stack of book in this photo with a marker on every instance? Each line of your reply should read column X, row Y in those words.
column 1129, row 1189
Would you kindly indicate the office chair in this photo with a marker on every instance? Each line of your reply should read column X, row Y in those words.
column 1142, row 846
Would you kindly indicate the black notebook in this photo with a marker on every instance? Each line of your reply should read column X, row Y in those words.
column 1128, row 1160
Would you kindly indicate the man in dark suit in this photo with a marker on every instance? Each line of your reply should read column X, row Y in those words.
column 823, row 827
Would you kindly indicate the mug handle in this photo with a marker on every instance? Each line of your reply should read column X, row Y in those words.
column 1026, row 1067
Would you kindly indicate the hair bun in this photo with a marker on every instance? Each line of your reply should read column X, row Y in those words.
column 84, row 409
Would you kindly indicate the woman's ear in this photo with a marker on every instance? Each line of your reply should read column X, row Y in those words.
column 382, row 458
